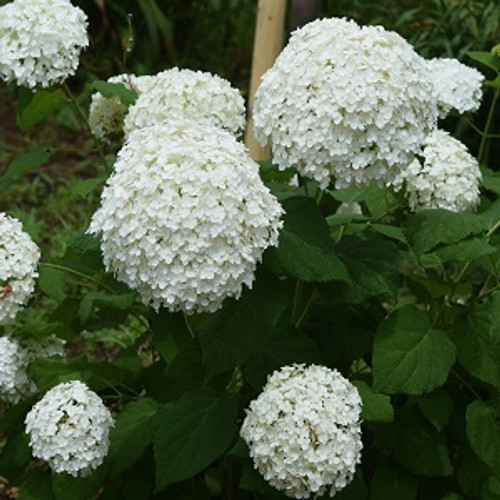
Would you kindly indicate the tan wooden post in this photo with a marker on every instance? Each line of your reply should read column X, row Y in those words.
column 267, row 45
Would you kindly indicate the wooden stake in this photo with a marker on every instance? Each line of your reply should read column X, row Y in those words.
column 268, row 43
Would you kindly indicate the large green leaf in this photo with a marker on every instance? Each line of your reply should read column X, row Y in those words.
column 415, row 444
column 306, row 250
column 430, row 228
column 107, row 89
column 243, row 328
column 483, row 431
column 24, row 163
column 37, row 106
column 409, row 356
column 477, row 338
column 437, row 408
column 465, row 250
column 38, row 486
column 389, row 482
column 131, row 435
column 191, row 433
column 376, row 407
column 486, row 58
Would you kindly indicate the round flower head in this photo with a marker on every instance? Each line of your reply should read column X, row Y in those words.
column 106, row 114
column 456, row 85
column 40, row 41
column 345, row 103
column 448, row 177
column 190, row 94
column 18, row 267
column 14, row 360
column 185, row 217
column 69, row 428
column 304, row 430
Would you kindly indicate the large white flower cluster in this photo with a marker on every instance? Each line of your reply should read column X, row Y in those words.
column 456, row 85
column 19, row 258
column 185, row 217
column 190, row 94
column 40, row 41
column 304, row 430
column 345, row 103
column 448, row 177
column 69, row 428
column 106, row 114
column 14, row 360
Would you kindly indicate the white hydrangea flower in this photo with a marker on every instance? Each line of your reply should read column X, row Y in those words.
column 457, row 86
column 19, row 258
column 40, row 41
column 345, row 103
column 69, row 428
column 106, row 114
column 185, row 217
column 14, row 360
column 304, row 430
column 448, row 177
column 190, row 94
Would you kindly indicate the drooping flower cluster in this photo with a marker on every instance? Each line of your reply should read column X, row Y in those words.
column 189, row 94
column 40, row 41
column 106, row 114
column 185, row 217
column 69, row 428
column 19, row 257
column 14, row 360
column 456, row 85
column 304, row 431
column 345, row 103
column 448, row 177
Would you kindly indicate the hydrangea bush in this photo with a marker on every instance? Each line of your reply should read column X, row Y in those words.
column 321, row 324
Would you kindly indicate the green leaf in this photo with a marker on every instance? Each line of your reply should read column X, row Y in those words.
column 305, row 249
column 243, row 328
column 24, row 163
column 376, row 407
column 465, row 250
column 16, row 453
column 409, row 357
column 437, row 408
column 373, row 266
column 483, row 431
column 38, row 486
column 192, row 433
column 486, row 58
column 430, row 228
column 107, row 89
column 477, row 338
column 52, row 282
column 101, row 299
column 38, row 106
column 392, row 232
column 389, row 482
column 83, row 187
column 49, row 372
column 77, row 488
column 415, row 444
column 131, row 435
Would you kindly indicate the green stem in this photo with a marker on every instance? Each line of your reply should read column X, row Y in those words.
column 85, row 121
column 297, row 299
column 489, row 119
column 305, row 310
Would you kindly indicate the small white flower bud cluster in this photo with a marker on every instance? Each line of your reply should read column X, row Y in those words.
column 19, row 258
column 304, row 430
column 185, row 217
column 345, row 103
column 41, row 41
column 69, row 428
column 106, row 114
column 457, row 86
column 14, row 359
column 448, row 177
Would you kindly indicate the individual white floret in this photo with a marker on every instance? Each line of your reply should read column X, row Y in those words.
column 19, row 258
column 304, row 430
column 14, row 359
column 40, row 41
column 69, row 428
column 456, row 85
column 190, row 94
column 350, row 208
column 345, row 103
column 106, row 114
column 447, row 177
column 185, row 217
